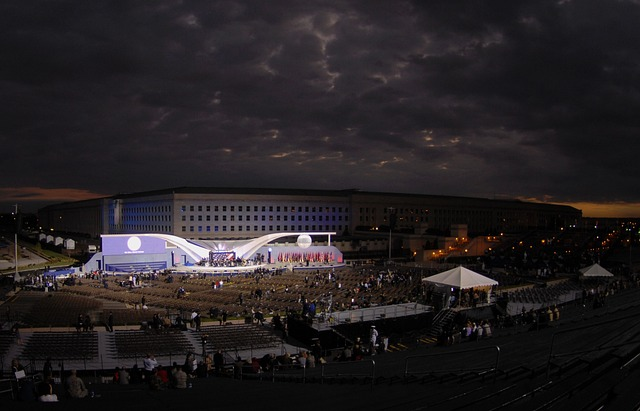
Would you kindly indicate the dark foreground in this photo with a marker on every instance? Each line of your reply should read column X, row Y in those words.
column 586, row 361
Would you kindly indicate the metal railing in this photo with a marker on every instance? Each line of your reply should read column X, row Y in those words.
column 350, row 369
column 7, row 386
column 613, row 342
column 280, row 370
column 493, row 369
column 345, row 369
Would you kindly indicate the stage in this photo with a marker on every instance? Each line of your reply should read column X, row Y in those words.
column 341, row 328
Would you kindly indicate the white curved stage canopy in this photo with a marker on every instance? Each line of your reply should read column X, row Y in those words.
column 129, row 252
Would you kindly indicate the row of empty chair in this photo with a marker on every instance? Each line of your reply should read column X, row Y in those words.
column 137, row 343
column 238, row 337
column 6, row 339
column 59, row 309
column 555, row 294
column 68, row 345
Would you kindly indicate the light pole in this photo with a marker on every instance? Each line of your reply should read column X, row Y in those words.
column 15, row 243
column 390, row 227
column 630, row 260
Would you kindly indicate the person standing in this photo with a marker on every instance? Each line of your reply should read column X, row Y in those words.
column 86, row 324
column 194, row 314
column 47, row 369
column 197, row 320
column 204, row 339
column 218, row 362
column 317, row 351
column 357, row 350
column 373, row 340
column 487, row 330
column 149, row 364
column 16, row 366
column 110, row 322
column 79, row 322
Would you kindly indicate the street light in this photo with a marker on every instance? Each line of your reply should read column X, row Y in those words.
column 15, row 242
column 390, row 228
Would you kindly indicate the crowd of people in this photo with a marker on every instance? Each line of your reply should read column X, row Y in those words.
column 372, row 288
column 84, row 323
column 471, row 331
column 42, row 388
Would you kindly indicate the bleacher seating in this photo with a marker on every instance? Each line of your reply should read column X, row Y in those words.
column 551, row 295
column 67, row 345
column 129, row 317
column 6, row 339
column 137, row 343
column 60, row 309
column 239, row 337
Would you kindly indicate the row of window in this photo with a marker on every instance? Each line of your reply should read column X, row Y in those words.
column 142, row 228
column 146, row 217
column 372, row 210
column 263, row 228
column 286, row 209
column 264, row 218
column 456, row 211
column 421, row 219
column 146, row 209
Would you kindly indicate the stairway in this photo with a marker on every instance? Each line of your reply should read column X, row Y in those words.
column 441, row 321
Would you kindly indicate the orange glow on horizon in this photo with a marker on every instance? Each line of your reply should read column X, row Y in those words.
column 28, row 194
column 25, row 195
column 612, row 210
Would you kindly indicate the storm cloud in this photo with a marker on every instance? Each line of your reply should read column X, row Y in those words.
column 536, row 100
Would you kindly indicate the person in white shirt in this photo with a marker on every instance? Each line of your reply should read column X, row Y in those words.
column 149, row 364
column 373, row 340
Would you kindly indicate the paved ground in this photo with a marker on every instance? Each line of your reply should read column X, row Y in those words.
column 26, row 258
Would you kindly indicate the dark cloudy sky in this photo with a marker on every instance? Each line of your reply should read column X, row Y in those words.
column 538, row 100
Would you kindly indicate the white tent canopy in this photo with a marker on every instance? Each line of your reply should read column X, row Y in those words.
column 461, row 278
column 595, row 270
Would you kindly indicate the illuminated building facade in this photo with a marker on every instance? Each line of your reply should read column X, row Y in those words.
column 241, row 213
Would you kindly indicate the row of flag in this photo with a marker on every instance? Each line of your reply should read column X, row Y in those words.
column 296, row 257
